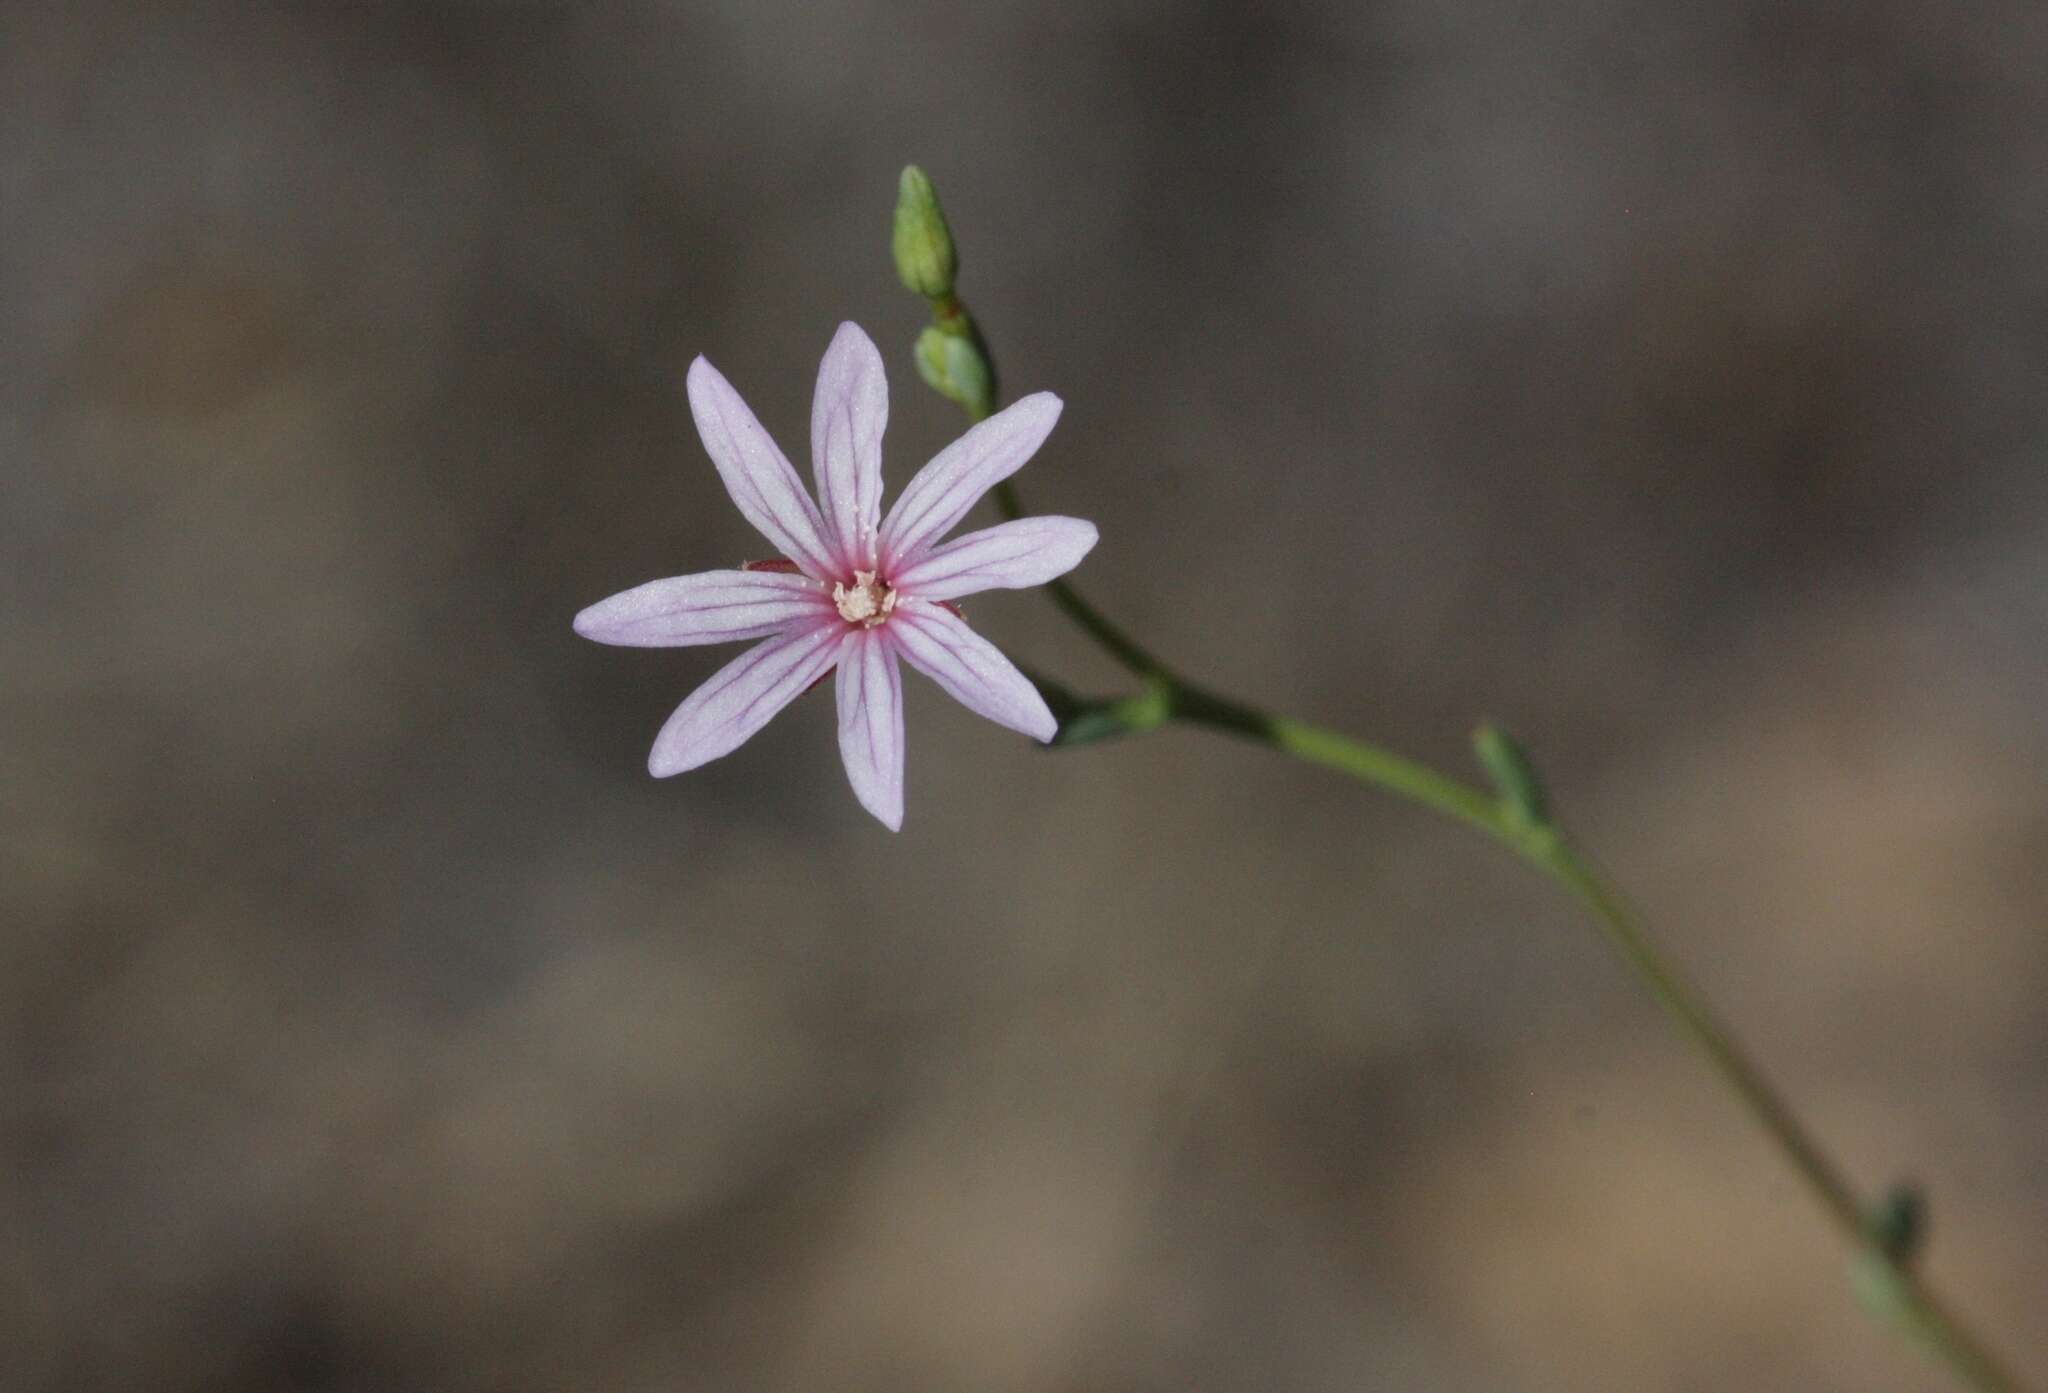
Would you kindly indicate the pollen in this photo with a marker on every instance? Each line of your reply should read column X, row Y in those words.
column 866, row 602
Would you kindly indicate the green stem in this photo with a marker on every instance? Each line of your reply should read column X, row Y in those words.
column 1543, row 847
column 1885, row 1278
column 1903, row 1295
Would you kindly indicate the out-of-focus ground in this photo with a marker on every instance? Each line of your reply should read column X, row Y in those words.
column 1665, row 380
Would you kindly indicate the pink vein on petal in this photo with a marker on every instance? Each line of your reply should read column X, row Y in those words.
column 943, row 491
column 870, row 699
column 968, row 668
column 743, row 696
column 1008, row 556
column 709, row 607
column 763, row 485
column 849, row 413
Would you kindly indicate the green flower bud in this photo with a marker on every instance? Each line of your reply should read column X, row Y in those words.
column 925, row 258
column 956, row 369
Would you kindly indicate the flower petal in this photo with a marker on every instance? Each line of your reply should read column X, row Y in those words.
column 960, row 474
column 848, row 414
column 1008, row 556
column 969, row 668
column 743, row 696
column 871, row 724
column 757, row 474
column 709, row 607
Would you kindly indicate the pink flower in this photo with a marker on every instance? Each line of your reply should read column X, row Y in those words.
column 858, row 591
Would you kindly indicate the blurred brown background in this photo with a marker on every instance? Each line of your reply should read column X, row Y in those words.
column 1665, row 380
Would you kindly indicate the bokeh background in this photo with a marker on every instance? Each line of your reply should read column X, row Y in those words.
column 1663, row 379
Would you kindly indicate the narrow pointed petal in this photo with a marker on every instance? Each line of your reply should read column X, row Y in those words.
column 757, row 474
column 968, row 668
column 709, row 607
column 848, row 414
column 743, row 696
column 1008, row 556
column 943, row 491
column 871, row 724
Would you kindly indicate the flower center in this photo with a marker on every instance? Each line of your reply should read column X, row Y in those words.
column 866, row 602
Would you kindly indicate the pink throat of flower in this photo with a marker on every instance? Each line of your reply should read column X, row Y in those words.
column 866, row 602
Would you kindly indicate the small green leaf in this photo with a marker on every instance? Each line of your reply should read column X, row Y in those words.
column 1880, row 1288
column 1514, row 775
column 1895, row 1229
column 1897, row 1224
column 1085, row 720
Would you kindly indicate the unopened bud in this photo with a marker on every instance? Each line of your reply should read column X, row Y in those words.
column 957, row 369
column 925, row 258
